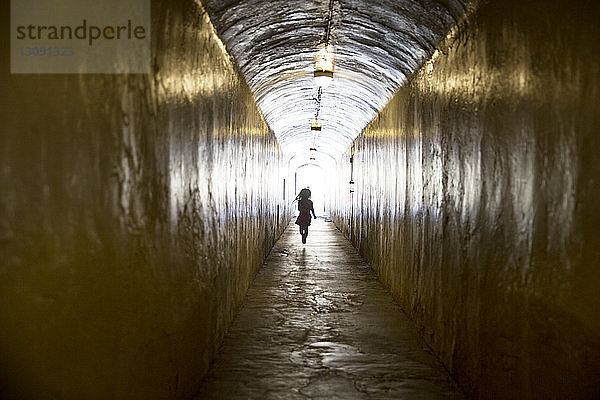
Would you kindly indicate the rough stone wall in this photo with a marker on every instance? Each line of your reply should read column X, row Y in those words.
column 135, row 210
column 477, row 200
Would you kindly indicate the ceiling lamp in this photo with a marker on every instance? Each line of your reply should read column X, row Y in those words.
column 315, row 125
column 324, row 67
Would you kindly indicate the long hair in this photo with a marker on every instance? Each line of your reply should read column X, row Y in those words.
column 303, row 195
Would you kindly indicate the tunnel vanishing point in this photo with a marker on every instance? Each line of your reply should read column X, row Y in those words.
column 455, row 144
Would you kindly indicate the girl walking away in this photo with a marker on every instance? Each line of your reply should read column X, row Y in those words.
column 305, row 206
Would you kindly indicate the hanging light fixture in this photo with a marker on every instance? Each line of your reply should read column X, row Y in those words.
column 315, row 125
column 324, row 67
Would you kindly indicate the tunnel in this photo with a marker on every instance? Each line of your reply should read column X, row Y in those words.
column 148, row 241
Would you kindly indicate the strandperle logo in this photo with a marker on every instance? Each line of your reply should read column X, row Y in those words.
column 84, row 31
column 80, row 36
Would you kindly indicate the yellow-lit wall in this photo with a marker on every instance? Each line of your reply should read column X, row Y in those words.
column 134, row 212
column 477, row 200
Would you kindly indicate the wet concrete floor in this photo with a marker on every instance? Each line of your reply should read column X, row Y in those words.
column 317, row 324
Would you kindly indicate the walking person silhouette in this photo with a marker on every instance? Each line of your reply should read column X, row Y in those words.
column 305, row 206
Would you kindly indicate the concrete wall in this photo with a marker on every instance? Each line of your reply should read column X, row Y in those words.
column 134, row 212
column 477, row 200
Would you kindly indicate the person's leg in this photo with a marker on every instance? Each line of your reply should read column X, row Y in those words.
column 303, row 232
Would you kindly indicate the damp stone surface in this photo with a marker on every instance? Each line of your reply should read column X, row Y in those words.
column 317, row 324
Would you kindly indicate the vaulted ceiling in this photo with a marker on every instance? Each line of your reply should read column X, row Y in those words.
column 376, row 45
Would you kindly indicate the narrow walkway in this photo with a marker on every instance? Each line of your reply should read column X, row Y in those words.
column 317, row 324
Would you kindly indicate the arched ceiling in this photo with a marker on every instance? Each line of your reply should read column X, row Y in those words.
column 376, row 45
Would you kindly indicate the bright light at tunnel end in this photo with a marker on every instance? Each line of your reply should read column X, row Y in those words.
column 317, row 179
